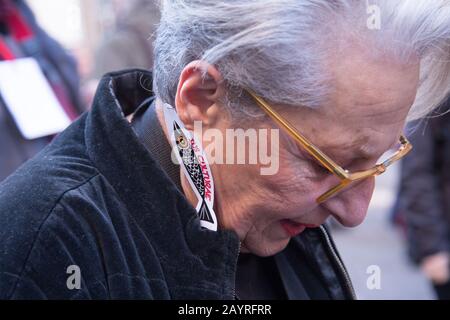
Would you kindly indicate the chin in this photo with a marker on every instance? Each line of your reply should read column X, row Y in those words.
column 270, row 248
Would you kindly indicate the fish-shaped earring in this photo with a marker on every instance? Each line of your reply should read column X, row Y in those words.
column 194, row 165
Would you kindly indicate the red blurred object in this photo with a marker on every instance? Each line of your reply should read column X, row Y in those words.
column 12, row 17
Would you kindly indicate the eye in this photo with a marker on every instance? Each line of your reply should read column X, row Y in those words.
column 320, row 169
column 316, row 167
column 359, row 164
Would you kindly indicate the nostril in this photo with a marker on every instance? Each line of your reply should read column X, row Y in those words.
column 350, row 207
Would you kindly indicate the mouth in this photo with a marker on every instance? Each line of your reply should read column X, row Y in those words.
column 293, row 228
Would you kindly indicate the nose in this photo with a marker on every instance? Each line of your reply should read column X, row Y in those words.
column 350, row 206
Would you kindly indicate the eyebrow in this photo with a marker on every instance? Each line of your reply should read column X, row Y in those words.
column 342, row 152
column 364, row 151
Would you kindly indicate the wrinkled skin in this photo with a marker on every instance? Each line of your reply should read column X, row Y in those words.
column 361, row 120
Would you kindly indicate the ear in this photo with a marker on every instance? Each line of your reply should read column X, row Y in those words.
column 197, row 95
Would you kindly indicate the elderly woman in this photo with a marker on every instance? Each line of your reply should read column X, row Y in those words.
column 108, row 211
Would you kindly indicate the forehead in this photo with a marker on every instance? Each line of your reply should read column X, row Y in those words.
column 372, row 91
column 366, row 111
column 344, row 143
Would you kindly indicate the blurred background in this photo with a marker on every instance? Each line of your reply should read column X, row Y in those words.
column 380, row 242
column 74, row 42
column 83, row 26
column 107, row 35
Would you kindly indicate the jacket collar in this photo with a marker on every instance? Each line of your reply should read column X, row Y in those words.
column 192, row 257
column 150, row 132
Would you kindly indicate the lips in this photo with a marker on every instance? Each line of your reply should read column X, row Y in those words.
column 292, row 228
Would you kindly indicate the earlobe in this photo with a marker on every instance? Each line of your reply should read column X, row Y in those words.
column 199, row 89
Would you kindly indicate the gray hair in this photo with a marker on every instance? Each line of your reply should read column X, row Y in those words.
column 279, row 48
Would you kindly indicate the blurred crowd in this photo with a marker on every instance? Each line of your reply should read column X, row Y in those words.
column 423, row 205
column 124, row 43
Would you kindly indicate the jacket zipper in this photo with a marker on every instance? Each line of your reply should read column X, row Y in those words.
column 340, row 264
column 235, row 268
column 332, row 250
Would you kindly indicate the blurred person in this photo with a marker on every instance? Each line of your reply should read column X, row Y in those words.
column 129, row 45
column 21, row 37
column 107, row 213
column 424, row 200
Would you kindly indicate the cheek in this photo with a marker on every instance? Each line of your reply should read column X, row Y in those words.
column 294, row 190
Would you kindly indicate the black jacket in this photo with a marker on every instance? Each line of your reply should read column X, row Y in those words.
column 97, row 198
column 424, row 197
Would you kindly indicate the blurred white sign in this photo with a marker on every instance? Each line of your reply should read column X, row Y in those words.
column 61, row 19
column 30, row 99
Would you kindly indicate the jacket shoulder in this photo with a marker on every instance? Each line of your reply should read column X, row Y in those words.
column 28, row 197
column 87, row 225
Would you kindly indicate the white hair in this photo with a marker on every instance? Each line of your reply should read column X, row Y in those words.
column 279, row 48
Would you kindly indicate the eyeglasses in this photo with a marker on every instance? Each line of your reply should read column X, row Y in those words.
column 346, row 178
